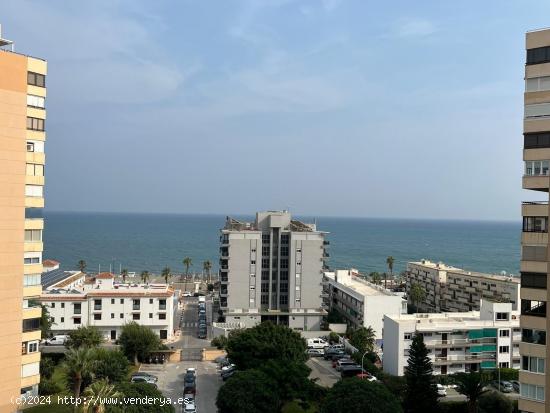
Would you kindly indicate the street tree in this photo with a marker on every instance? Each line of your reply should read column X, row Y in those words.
column 166, row 274
column 46, row 322
column 188, row 262
column 250, row 391
column 137, row 341
column 359, row 396
column 495, row 402
column 472, row 386
column 363, row 339
column 89, row 336
column 375, row 277
column 81, row 265
column 207, row 266
column 145, row 277
column 390, row 260
column 421, row 394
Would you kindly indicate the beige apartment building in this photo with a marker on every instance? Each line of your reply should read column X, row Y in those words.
column 22, row 136
column 452, row 289
column 534, row 241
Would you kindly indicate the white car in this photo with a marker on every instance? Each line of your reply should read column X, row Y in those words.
column 316, row 343
column 189, row 408
column 56, row 340
column 441, row 390
column 191, row 370
column 189, row 399
column 187, row 294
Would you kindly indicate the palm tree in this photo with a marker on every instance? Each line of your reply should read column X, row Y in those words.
column 188, row 262
column 375, row 277
column 81, row 265
column 470, row 385
column 389, row 261
column 79, row 362
column 417, row 294
column 98, row 392
column 145, row 276
column 124, row 274
column 166, row 274
column 207, row 266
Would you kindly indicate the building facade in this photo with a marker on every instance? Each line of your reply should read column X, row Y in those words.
column 360, row 302
column 97, row 301
column 534, row 240
column 272, row 269
column 22, row 136
column 457, row 342
column 453, row 289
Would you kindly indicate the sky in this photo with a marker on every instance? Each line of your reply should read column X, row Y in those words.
column 324, row 107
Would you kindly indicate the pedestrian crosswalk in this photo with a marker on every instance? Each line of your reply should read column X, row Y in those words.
column 185, row 324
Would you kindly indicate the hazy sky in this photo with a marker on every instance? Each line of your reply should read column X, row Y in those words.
column 345, row 108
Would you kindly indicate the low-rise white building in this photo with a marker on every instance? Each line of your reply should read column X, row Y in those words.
column 360, row 302
column 99, row 301
column 457, row 342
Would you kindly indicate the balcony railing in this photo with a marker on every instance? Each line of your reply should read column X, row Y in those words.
column 459, row 341
column 135, row 307
column 535, row 203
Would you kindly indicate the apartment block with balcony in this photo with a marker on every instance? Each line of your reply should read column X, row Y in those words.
column 22, row 136
column 453, row 289
column 534, row 237
column 98, row 301
column 271, row 269
column 457, row 342
column 361, row 303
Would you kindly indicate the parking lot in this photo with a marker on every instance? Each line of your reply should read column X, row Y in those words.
column 323, row 371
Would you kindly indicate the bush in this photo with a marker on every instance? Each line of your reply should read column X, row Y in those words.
column 49, row 386
column 219, row 342
column 84, row 336
column 111, row 365
column 505, row 374
column 138, row 341
column 493, row 402
column 333, row 337
column 47, row 367
column 453, row 407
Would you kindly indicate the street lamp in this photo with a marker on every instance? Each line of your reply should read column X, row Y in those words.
column 362, row 359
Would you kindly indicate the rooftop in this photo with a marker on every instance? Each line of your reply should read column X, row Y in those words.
column 357, row 284
column 50, row 263
column 233, row 224
column 455, row 270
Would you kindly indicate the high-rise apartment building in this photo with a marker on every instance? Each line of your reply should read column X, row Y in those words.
column 272, row 269
column 535, row 320
column 22, row 136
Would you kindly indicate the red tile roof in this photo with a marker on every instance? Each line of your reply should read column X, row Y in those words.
column 104, row 275
column 50, row 263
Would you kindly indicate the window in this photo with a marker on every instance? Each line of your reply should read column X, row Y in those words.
column 35, row 124
column 501, row 316
column 36, row 79
column 531, row 391
column 284, row 288
column 284, row 263
column 536, row 140
column 135, row 316
column 112, row 315
column 283, row 275
column 62, row 319
column 122, row 301
column 35, row 146
column 283, row 299
column 503, row 365
column 31, row 279
column 32, row 346
column 536, row 168
column 62, row 305
column 162, row 304
column 135, row 304
column 34, row 190
column 532, row 336
column 34, row 169
column 537, row 110
column 532, row 364
column 264, row 299
column 266, row 238
column 535, row 224
column 162, row 316
column 97, row 316
column 150, row 315
column 407, row 336
column 77, row 308
column 533, row 308
column 264, row 287
column 533, row 280
column 252, row 262
column 163, row 334
column 150, row 301
column 504, row 333
column 504, row 349
column 112, row 300
column 121, row 315
column 284, row 240
column 36, row 101
column 77, row 320
column 31, row 324
column 97, row 305
column 538, row 55
column 533, row 253
column 33, row 235
column 52, row 305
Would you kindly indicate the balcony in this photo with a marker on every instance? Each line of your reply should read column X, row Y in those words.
column 536, row 182
column 534, row 209
column 135, row 307
column 453, row 342
column 470, row 358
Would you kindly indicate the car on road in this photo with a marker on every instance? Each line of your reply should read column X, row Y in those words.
column 189, row 408
column 191, row 370
column 344, row 362
column 515, row 385
column 314, row 352
column 187, row 294
column 144, row 380
column 58, row 340
column 146, row 376
column 441, row 390
column 189, row 398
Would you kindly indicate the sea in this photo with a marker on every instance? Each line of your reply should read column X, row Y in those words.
column 137, row 242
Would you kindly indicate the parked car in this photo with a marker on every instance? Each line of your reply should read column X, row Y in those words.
column 145, row 375
column 344, row 362
column 336, row 347
column 191, row 370
column 189, row 408
column 228, row 367
column 144, row 380
column 189, row 398
column 441, row 390
column 187, row 294
column 316, row 343
column 327, row 355
column 351, row 370
column 339, row 357
column 190, row 389
column 227, row 374
column 58, row 340
column 314, row 352
column 503, row 386
column 189, row 379
column 367, row 376
column 515, row 385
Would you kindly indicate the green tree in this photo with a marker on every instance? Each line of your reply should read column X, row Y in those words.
column 84, row 336
column 111, row 365
column 47, row 367
column 417, row 295
column 45, row 322
column 470, row 385
column 252, row 347
column 390, row 260
column 375, row 277
column 363, row 339
column 124, row 274
column 81, row 265
column 335, row 317
column 137, row 341
column 207, row 266
column 495, row 402
column 141, row 390
column 359, row 396
column 333, row 338
column 291, row 379
column 97, row 393
column 166, row 274
column 145, row 277
column 188, row 262
column 235, row 396
column 421, row 395
column 219, row 342
column 79, row 363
